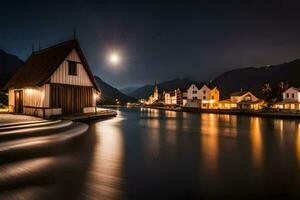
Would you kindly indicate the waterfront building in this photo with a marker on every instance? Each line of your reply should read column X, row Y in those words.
column 290, row 99
column 173, row 97
column 154, row 97
column 243, row 100
column 54, row 81
column 202, row 96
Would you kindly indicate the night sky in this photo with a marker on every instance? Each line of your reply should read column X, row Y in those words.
column 158, row 41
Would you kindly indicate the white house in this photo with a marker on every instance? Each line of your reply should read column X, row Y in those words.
column 291, row 99
column 170, row 98
column 54, row 81
column 201, row 96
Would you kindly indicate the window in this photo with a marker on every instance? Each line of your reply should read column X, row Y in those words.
column 212, row 97
column 72, row 68
column 195, row 92
column 293, row 95
column 287, row 95
column 204, row 97
column 204, row 91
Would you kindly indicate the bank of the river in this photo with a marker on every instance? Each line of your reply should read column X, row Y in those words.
column 100, row 114
column 270, row 113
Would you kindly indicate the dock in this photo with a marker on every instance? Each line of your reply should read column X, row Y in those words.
column 86, row 117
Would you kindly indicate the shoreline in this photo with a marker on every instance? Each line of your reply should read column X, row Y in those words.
column 269, row 114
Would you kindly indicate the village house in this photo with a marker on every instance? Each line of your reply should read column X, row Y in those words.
column 290, row 99
column 54, row 81
column 243, row 100
column 202, row 96
column 174, row 97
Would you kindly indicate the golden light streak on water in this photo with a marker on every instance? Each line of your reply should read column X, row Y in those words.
column 104, row 179
column 256, row 142
column 298, row 144
column 210, row 142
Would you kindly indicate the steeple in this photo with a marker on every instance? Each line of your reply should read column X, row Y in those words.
column 155, row 87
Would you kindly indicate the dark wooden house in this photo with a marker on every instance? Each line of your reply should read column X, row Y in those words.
column 54, row 81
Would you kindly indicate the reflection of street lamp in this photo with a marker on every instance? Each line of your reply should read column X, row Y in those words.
column 117, row 101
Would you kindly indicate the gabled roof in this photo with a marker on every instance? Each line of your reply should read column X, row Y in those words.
column 40, row 66
column 294, row 88
column 240, row 93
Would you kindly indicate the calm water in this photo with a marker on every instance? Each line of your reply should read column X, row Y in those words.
column 152, row 154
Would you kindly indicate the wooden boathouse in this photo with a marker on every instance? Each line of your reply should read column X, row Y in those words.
column 54, row 81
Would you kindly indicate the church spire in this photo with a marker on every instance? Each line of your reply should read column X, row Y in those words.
column 155, row 87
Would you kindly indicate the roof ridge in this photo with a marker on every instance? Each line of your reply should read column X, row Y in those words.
column 55, row 46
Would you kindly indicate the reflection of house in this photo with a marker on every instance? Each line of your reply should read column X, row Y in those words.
column 291, row 99
column 53, row 81
column 241, row 100
column 201, row 96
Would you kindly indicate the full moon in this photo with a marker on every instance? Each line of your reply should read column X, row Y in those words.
column 114, row 58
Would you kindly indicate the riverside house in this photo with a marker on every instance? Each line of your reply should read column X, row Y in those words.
column 202, row 96
column 54, row 81
column 243, row 100
column 290, row 99
column 174, row 97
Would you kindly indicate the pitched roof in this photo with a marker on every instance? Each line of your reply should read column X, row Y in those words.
column 39, row 67
column 294, row 88
column 240, row 93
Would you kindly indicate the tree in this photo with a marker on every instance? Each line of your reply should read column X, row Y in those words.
column 267, row 93
column 282, row 86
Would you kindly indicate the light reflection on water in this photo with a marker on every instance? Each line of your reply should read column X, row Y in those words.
column 209, row 142
column 105, row 175
column 150, row 154
column 256, row 141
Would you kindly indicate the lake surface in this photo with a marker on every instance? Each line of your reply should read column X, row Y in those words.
column 154, row 154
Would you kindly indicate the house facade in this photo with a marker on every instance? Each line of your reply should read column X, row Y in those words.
column 201, row 96
column 290, row 99
column 243, row 100
column 54, row 81
column 174, row 97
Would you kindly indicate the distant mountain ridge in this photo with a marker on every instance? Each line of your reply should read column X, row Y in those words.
column 8, row 65
column 128, row 90
column 147, row 90
column 110, row 94
column 250, row 78
column 253, row 78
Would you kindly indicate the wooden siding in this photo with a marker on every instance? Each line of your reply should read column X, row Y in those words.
column 72, row 99
column 61, row 75
column 11, row 100
column 37, row 96
column 33, row 97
